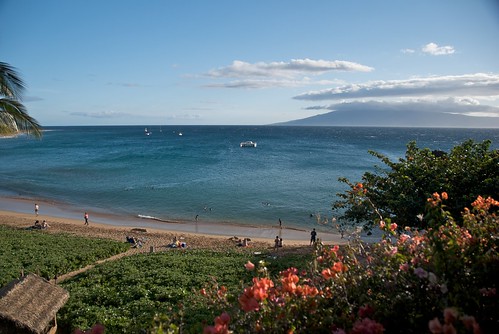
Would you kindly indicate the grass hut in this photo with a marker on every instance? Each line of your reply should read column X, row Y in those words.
column 29, row 305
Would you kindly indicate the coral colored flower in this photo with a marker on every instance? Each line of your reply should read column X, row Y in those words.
column 393, row 226
column 338, row 267
column 289, row 271
column 328, row 274
column 248, row 302
column 334, row 250
column 289, row 283
column 249, row 266
column 403, row 238
column 445, row 196
column 382, row 224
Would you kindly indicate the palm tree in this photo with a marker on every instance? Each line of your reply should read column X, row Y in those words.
column 13, row 114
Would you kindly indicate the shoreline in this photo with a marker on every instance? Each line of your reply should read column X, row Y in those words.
column 24, row 209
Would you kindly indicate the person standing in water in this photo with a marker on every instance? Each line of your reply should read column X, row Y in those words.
column 86, row 218
column 37, row 208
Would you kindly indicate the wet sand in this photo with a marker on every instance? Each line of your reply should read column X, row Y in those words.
column 20, row 212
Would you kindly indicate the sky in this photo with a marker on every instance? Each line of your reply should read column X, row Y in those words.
column 185, row 62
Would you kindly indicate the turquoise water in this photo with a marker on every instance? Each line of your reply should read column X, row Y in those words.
column 291, row 174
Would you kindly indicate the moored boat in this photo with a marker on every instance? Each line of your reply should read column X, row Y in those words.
column 248, row 143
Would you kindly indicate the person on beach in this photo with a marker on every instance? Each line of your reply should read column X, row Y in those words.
column 280, row 242
column 313, row 237
column 280, row 223
column 37, row 208
column 245, row 242
column 276, row 242
column 86, row 218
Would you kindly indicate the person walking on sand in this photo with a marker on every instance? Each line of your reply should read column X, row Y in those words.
column 313, row 237
column 86, row 218
column 37, row 208
column 280, row 223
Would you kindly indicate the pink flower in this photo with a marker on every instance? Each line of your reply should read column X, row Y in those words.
column 450, row 315
column 448, row 329
column 365, row 311
column 468, row 321
column 367, row 326
column 221, row 325
column 435, row 326
column 403, row 238
column 393, row 226
column 249, row 266
column 404, row 267
column 382, row 224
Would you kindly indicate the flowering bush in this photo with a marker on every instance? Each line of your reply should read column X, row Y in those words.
column 403, row 283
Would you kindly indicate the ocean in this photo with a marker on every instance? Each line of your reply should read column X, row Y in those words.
column 291, row 174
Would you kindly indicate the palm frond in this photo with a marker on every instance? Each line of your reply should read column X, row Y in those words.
column 14, row 115
column 11, row 84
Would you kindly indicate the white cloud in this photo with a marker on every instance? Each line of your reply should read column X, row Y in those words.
column 100, row 114
column 294, row 68
column 446, row 106
column 184, row 117
column 270, row 83
column 469, row 85
column 408, row 51
column 435, row 50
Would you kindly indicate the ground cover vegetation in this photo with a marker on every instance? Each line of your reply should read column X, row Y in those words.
column 126, row 295
column 49, row 255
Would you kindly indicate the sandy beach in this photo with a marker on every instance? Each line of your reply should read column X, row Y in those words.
column 20, row 213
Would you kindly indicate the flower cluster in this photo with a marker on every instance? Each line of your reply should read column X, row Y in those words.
column 452, row 322
column 253, row 295
column 364, row 288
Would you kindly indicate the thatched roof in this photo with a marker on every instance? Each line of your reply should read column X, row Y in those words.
column 30, row 304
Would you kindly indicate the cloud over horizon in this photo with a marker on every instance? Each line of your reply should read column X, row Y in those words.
column 474, row 85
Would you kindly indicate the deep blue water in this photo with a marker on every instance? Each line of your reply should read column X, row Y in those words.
column 292, row 173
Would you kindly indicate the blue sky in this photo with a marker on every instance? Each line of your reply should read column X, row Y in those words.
column 255, row 62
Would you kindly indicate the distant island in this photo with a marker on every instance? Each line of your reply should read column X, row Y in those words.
column 395, row 118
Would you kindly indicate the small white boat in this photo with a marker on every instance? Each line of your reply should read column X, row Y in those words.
column 248, row 143
column 147, row 132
